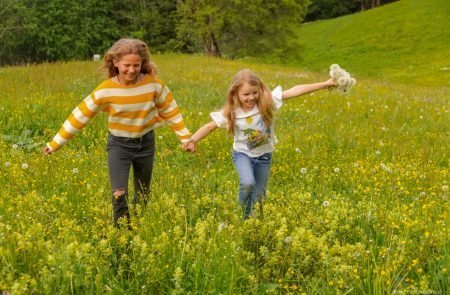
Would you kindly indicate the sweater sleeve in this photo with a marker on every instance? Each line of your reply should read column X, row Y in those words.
column 169, row 111
column 79, row 118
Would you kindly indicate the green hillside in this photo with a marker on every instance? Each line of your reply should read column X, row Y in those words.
column 406, row 41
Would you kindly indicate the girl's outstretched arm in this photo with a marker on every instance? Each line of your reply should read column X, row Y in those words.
column 204, row 131
column 307, row 88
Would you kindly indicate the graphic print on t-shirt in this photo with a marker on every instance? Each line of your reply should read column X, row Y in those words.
column 256, row 138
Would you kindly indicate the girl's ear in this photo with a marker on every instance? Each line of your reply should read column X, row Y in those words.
column 115, row 61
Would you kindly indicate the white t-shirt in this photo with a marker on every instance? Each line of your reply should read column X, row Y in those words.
column 251, row 136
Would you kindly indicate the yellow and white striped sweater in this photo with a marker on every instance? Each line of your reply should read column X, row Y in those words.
column 133, row 111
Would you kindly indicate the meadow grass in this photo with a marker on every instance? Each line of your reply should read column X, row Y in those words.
column 357, row 202
column 406, row 41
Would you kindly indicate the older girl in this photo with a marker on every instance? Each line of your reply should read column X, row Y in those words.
column 137, row 102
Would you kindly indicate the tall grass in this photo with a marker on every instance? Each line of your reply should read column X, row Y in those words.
column 357, row 202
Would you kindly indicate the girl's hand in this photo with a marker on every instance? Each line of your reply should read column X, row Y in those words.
column 331, row 83
column 46, row 151
column 188, row 146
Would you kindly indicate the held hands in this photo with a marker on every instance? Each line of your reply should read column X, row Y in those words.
column 189, row 147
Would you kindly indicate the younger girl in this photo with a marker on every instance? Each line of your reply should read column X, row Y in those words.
column 248, row 115
column 137, row 102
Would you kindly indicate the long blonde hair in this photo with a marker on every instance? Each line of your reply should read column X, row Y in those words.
column 264, row 102
column 128, row 46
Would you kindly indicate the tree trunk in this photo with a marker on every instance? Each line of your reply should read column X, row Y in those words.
column 363, row 5
column 210, row 45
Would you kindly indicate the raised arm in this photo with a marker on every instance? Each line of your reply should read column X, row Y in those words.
column 204, row 131
column 307, row 88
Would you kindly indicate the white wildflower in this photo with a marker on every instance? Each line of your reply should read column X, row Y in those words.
column 303, row 170
column 24, row 166
column 222, row 226
column 326, row 203
column 7, row 164
column 75, row 170
column 444, row 188
column 423, row 194
column 200, row 113
column 377, row 153
column 336, row 170
column 160, row 137
column 385, row 168
column 288, row 240
column 15, row 146
column 298, row 150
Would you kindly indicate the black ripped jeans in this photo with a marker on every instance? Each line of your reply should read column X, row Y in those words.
column 124, row 152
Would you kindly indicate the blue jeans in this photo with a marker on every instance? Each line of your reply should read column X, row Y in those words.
column 253, row 178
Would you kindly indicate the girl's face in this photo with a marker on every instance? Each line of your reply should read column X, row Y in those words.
column 248, row 96
column 129, row 67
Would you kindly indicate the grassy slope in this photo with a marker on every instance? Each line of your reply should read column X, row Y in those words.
column 406, row 41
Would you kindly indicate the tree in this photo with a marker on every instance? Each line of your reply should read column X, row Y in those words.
column 150, row 20
column 238, row 27
column 200, row 22
column 13, row 22
column 63, row 30
column 41, row 30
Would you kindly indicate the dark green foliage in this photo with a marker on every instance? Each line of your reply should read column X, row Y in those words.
column 325, row 9
column 155, row 23
column 240, row 28
column 61, row 30
column 41, row 30
column 13, row 23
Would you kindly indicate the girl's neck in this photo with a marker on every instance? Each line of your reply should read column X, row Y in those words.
column 246, row 110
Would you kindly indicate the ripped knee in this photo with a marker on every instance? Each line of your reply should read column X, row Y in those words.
column 118, row 192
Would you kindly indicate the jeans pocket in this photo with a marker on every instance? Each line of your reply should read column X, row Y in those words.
column 266, row 157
